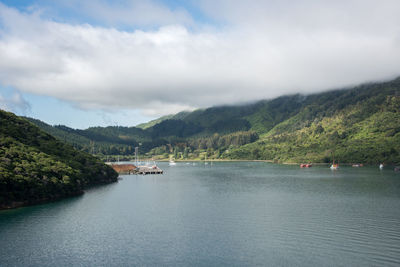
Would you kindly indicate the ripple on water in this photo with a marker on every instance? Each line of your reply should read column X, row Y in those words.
column 236, row 214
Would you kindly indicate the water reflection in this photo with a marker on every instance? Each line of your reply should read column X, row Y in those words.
column 241, row 213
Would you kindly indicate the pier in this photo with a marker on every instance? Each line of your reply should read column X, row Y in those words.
column 132, row 169
column 149, row 170
column 135, row 168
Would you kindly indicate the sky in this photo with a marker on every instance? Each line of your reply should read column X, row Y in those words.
column 124, row 62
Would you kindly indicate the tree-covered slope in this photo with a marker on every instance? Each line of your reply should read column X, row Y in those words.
column 259, row 117
column 178, row 116
column 35, row 167
column 357, row 125
column 63, row 133
column 111, row 140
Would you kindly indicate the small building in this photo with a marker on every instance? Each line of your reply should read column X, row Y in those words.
column 124, row 168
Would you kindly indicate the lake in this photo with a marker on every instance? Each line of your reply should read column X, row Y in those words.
column 220, row 214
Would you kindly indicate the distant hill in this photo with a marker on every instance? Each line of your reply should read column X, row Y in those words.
column 151, row 123
column 35, row 167
column 112, row 140
column 358, row 124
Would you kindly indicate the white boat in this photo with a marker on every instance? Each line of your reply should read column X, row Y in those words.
column 381, row 166
column 172, row 163
column 334, row 166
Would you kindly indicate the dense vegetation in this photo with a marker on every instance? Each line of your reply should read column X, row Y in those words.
column 359, row 124
column 36, row 167
column 149, row 124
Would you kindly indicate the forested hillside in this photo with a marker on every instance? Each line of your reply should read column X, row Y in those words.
column 149, row 124
column 112, row 140
column 35, row 167
column 359, row 124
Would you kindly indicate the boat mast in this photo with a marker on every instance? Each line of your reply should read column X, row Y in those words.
column 136, row 156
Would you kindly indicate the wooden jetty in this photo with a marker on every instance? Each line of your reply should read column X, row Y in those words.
column 132, row 169
column 149, row 170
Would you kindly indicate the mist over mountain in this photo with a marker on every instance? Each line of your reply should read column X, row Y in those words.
column 359, row 124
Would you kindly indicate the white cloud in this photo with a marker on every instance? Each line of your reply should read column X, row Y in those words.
column 265, row 49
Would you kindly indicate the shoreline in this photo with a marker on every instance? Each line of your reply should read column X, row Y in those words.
column 258, row 160
column 21, row 204
column 27, row 203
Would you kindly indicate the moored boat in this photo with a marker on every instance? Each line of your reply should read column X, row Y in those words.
column 309, row 165
column 334, row 166
column 357, row 165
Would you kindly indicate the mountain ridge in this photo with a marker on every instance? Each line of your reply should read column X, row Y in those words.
column 211, row 132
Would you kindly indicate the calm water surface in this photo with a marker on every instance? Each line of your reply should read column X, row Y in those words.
column 224, row 214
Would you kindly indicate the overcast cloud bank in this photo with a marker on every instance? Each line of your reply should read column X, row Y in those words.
column 259, row 50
